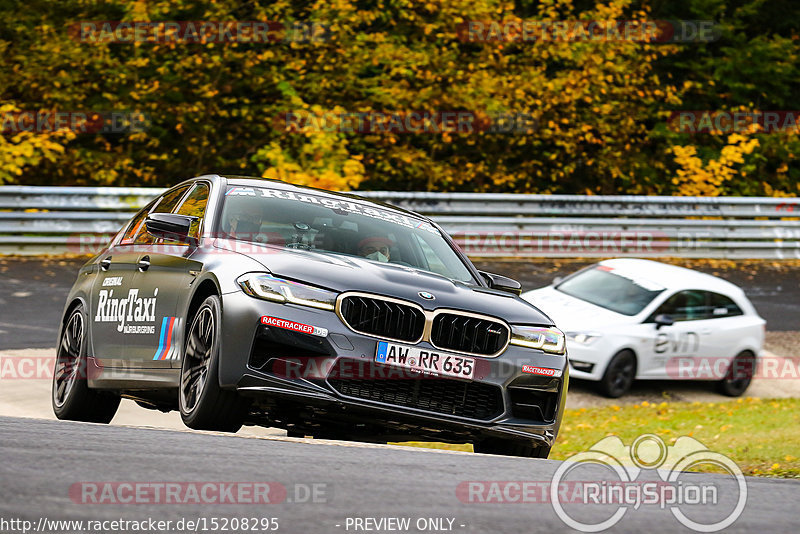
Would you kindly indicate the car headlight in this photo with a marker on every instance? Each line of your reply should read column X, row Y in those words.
column 548, row 339
column 584, row 338
column 268, row 287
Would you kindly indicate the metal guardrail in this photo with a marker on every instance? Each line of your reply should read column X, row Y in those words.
column 55, row 220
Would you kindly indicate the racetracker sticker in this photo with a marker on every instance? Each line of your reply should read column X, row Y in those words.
column 543, row 371
column 297, row 327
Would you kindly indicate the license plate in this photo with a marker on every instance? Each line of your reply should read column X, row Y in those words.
column 425, row 361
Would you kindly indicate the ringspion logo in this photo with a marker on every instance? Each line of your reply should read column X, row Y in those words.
column 649, row 453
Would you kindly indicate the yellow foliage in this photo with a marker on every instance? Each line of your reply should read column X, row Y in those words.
column 696, row 178
column 316, row 158
column 24, row 150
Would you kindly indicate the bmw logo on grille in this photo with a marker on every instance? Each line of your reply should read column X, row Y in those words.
column 426, row 295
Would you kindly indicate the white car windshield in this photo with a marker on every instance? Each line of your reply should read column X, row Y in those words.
column 610, row 288
column 319, row 223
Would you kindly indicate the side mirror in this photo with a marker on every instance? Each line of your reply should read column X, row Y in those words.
column 502, row 283
column 557, row 280
column 170, row 226
column 662, row 319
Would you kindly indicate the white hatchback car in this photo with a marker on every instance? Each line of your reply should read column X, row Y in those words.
column 629, row 319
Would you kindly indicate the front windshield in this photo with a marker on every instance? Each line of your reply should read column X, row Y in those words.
column 613, row 289
column 338, row 226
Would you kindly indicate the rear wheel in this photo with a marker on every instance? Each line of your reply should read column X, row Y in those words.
column 508, row 447
column 739, row 375
column 619, row 375
column 204, row 405
column 71, row 397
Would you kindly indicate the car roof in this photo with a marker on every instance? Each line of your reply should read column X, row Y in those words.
column 672, row 276
column 244, row 181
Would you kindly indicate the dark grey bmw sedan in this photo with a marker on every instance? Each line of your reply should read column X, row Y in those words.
column 247, row 301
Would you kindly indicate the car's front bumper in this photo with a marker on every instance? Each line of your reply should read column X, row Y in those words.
column 589, row 362
column 334, row 376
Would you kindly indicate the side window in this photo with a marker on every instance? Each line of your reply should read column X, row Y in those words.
column 170, row 200
column 195, row 206
column 136, row 224
column 687, row 305
column 432, row 260
column 722, row 306
column 166, row 204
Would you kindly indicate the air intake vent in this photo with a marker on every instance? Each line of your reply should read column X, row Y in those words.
column 473, row 400
column 383, row 318
column 464, row 333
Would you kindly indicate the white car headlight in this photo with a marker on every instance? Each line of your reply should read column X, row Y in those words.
column 584, row 338
column 548, row 339
column 268, row 287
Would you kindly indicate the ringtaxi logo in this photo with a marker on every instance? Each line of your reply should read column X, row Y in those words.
column 126, row 310
column 725, row 495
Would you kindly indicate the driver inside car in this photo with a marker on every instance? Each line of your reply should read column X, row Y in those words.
column 245, row 222
column 375, row 248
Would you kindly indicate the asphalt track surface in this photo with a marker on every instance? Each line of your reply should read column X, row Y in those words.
column 41, row 460
column 33, row 291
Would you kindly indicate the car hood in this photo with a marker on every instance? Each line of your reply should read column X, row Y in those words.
column 572, row 314
column 348, row 273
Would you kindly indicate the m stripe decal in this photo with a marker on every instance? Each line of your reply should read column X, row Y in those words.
column 165, row 340
column 168, row 348
column 161, row 339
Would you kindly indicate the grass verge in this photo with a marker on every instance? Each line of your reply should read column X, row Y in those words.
column 761, row 435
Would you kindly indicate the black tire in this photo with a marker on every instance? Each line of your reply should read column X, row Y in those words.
column 619, row 375
column 509, row 447
column 739, row 375
column 71, row 397
column 203, row 404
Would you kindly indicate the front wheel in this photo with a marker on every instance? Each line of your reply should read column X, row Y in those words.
column 619, row 375
column 508, row 447
column 71, row 397
column 739, row 375
column 204, row 405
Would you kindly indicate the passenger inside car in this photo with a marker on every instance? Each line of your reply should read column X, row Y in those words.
column 375, row 247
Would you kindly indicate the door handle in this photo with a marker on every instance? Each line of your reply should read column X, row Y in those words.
column 144, row 263
column 105, row 263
